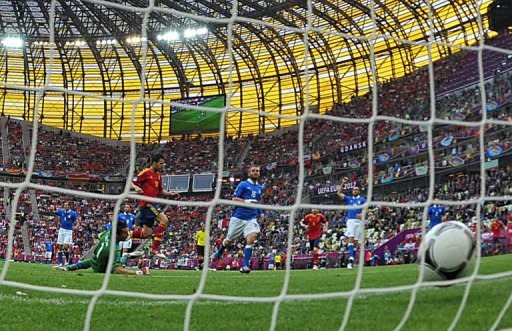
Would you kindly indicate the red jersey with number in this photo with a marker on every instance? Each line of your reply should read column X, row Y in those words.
column 315, row 223
column 150, row 182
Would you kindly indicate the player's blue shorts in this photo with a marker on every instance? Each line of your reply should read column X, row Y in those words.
column 148, row 214
column 314, row 243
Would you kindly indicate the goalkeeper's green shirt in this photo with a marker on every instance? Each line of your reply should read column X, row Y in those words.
column 99, row 260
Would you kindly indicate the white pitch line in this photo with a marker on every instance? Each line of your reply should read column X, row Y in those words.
column 24, row 297
column 131, row 303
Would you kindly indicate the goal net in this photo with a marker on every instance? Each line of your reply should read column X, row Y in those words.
column 411, row 102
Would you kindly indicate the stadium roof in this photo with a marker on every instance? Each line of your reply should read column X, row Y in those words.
column 95, row 50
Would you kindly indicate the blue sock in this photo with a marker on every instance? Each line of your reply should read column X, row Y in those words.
column 59, row 258
column 85, row 264
column 351, row 250
column 247, row 256
column 219, row 253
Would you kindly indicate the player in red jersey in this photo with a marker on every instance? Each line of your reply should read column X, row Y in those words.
column 314, row 223
column 498, row 236
column 149, row 183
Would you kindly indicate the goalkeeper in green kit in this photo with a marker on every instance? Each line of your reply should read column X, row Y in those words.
column 99, row 261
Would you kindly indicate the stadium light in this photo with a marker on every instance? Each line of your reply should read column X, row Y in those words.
column 192, row 32
column 12, row 42
column 135, row 40
column 77, row 43
column 106, row 42
column 40, row 43
column 169, row 36
column 188, row 33
column 202, row 31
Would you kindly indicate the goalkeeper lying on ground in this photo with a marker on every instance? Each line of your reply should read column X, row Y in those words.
column 99, row 260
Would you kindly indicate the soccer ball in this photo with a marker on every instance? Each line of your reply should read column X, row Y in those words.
column 449, row 249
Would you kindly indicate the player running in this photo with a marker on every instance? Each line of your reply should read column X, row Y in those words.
column 314, row 223
column 149, row 183
column 244, row 220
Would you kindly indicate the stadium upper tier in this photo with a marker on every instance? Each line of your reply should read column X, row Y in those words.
column 329, row 143
column 99, row 62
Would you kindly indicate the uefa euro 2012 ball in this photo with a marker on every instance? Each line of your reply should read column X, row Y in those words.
column 449, row 249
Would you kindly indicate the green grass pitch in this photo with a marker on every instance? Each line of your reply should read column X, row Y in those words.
column 189, row 121
column 434, row 308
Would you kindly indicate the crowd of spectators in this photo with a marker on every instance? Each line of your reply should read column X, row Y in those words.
column 60, row 153
column 382, row 222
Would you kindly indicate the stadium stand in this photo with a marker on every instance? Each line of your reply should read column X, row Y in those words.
column 333, row 150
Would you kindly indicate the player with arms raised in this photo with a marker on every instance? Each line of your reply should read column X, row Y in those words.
column 244, row 220
column 314, row 223
column 353, row 232
column 149, row 183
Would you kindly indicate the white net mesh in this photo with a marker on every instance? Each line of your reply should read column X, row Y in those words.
column 294, row 210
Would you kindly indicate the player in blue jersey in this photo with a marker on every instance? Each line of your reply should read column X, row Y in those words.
column 127, row 217
column 353, row 233
column 67, row 218
column 48, row 250
column 244, row 220
column 436, row 214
